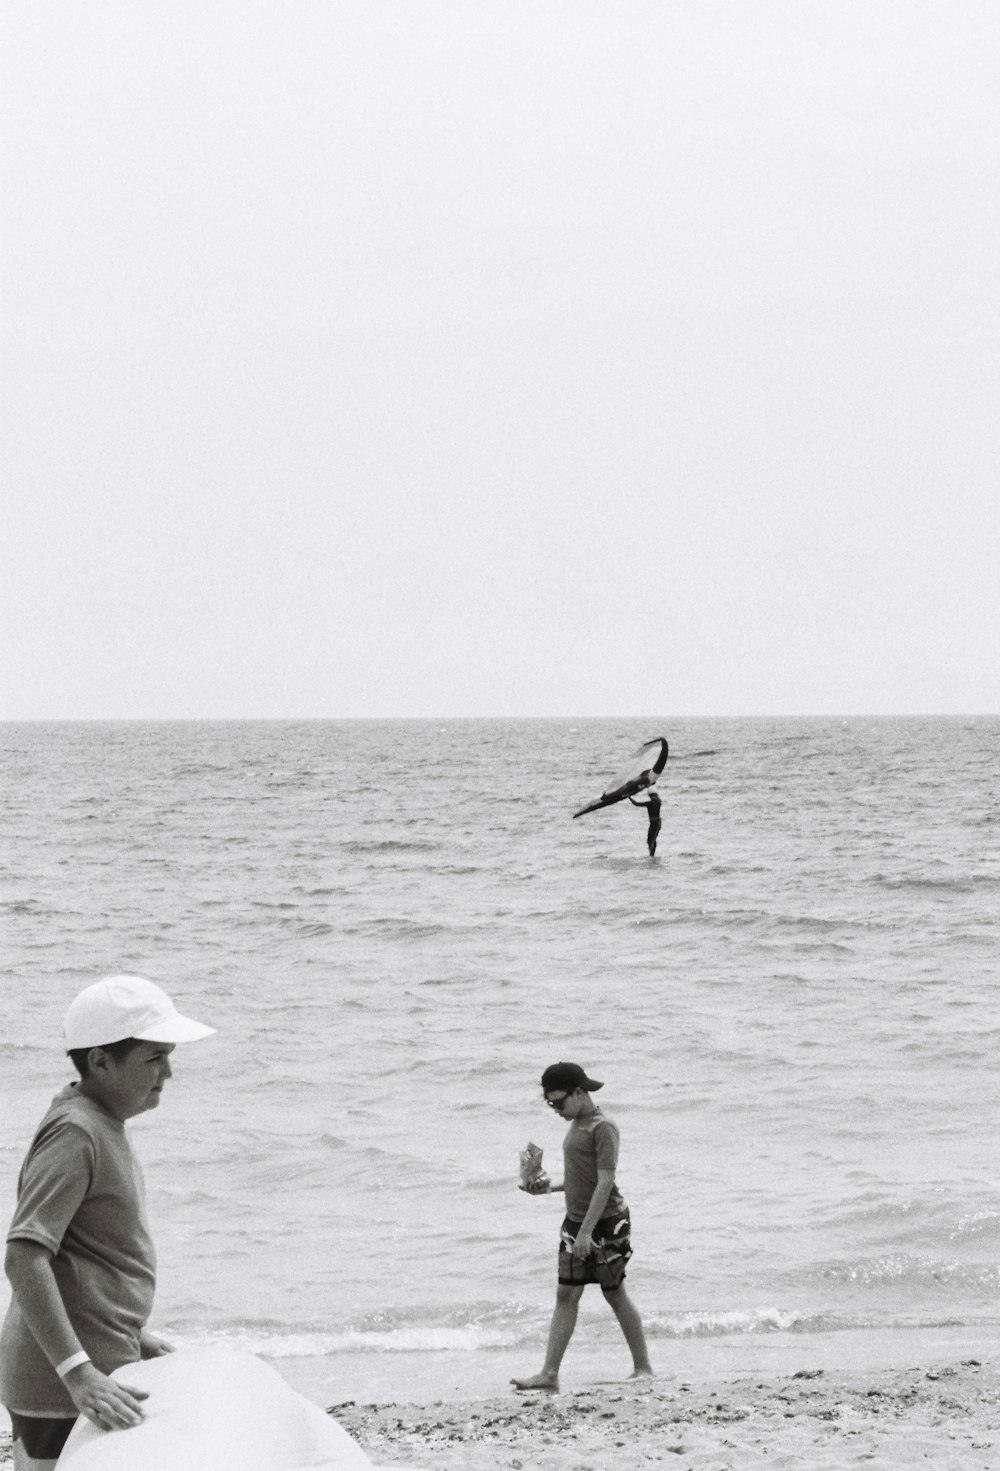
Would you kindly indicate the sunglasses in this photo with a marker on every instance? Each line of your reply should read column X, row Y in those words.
column 558, row 1102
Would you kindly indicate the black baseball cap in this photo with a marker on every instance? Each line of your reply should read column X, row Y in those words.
column 568, row 1075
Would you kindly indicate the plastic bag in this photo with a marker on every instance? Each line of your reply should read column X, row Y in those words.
column 533, row 1175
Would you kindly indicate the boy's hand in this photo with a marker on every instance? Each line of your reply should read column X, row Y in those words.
column 152, row 1346
column 583, row 1245
column 539, row 1186
column 106, row 1403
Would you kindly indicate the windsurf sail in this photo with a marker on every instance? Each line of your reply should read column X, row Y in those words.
column 641, row 771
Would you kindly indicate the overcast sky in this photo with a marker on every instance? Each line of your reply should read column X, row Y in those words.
column 418, row 358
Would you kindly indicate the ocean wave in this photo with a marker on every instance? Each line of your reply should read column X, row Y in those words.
column 978, row 1224
column 26, row 907
column 898, row 1269
column 751, row 1322
column 470, row 1328
column 810, row 922
column 968, row 884
column 320, row 891
column 390, row 845
column 401, row 928
column 506, row 1332
column 721, row 1324
column 416, row 1339
column 762, row 1321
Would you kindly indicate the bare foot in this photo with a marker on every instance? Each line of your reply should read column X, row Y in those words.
column 646, row 1372
column 548, row 1382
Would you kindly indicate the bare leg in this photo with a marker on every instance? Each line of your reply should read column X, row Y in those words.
column 630, row 1323
column 24, row 1462
column 560, row 1333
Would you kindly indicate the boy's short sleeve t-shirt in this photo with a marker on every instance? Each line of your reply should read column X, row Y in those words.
column 81, row 1196
column 590, row 1145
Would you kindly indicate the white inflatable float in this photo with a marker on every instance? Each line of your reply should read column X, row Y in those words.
column 215, row 1409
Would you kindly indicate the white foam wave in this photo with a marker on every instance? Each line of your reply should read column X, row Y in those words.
column 722, row 1324
column 272, row 1342
column 412, row 1339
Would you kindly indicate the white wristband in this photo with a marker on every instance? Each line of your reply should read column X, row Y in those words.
column 74, row 1359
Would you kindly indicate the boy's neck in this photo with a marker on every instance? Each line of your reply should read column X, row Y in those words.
column 90, row 1087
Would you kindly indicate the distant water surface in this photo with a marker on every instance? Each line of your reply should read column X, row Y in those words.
column 396, row 925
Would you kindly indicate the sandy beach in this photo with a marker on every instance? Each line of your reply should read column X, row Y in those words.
column 946, row 1415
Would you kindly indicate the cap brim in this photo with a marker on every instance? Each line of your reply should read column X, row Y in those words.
column 177, row 1029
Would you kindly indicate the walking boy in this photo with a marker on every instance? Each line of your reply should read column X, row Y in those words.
column 79, row 1255
column 594, row 1243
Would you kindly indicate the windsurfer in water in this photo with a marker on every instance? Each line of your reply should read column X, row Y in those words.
column 654, row 804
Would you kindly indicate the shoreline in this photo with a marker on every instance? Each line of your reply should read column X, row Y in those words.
column 893, row 1398
column 598, row 1356
column 945, row 1414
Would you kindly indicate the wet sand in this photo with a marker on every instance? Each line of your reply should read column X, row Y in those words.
column 945, row 1415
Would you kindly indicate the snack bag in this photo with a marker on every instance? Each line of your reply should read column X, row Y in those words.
column 532, row 1173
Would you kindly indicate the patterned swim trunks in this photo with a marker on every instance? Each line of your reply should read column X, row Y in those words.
column 609, row 1258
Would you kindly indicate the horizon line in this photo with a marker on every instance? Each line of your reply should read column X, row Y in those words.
column 332, row 719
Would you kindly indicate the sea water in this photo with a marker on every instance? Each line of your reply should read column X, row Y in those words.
column 395, row 926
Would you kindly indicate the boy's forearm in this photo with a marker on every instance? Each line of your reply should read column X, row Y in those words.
column 29, row 1269
column 105, row 1402
column 598, row 1200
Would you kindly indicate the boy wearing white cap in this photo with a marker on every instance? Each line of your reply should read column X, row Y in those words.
column 79, row 1255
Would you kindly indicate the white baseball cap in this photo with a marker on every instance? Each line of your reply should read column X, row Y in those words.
column 127, row 1006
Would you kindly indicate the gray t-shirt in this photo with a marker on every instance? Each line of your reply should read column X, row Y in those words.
column 591, row 1144
column 81, row 1196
